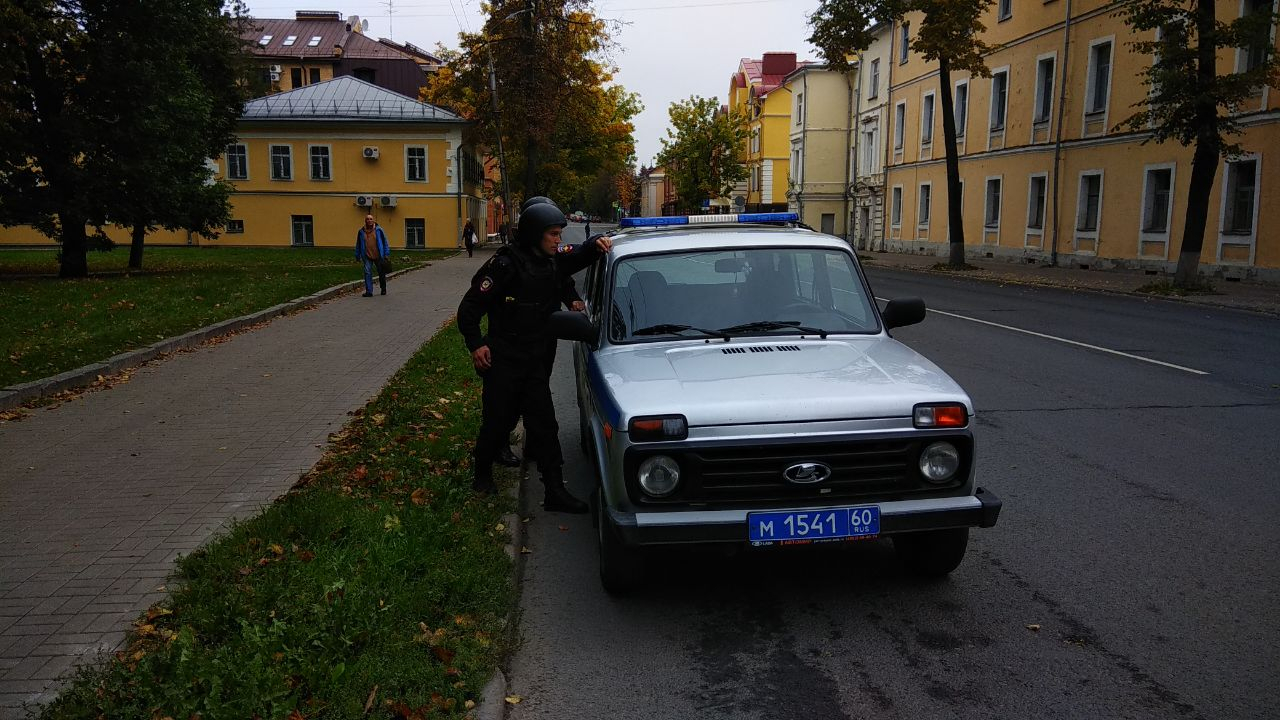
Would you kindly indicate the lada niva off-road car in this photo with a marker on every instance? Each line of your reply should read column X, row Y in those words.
column 737, row 383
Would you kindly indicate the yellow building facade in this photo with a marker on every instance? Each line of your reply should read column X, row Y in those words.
column 1046, row 173
column 757, row 91
column 819, row 169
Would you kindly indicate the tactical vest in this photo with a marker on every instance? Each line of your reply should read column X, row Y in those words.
column 519, row 324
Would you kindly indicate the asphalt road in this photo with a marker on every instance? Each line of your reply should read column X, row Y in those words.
column 1139, row 535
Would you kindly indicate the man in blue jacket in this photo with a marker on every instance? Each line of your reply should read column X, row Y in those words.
column 372, row 248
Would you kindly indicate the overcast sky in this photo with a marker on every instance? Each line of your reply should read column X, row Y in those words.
column 671, row 49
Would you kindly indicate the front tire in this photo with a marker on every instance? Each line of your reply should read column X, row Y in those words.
column 621, row 567
column 932, row 553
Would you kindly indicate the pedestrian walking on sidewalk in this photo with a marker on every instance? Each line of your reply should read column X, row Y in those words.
column 518, row 289
column 372, row 248
column 469, row 237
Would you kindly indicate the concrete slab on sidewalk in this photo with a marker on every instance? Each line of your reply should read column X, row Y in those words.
column 100, row 495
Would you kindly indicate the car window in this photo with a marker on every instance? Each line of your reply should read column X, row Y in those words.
column 714, row 290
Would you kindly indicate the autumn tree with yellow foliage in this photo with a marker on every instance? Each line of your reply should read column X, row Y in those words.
column 564, row 125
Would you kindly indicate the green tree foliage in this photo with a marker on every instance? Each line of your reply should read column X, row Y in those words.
column 560, row 119
column 1190, row 102
column 948, row 33
column 701, row 151
column 111, row 110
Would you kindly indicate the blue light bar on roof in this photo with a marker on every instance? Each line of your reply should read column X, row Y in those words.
column 777, row 217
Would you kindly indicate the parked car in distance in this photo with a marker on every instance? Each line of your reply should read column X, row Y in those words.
column 737, row 383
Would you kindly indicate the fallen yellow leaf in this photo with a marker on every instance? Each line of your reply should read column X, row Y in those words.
column 514, row 699
column 1034, row 627
column 469, row 705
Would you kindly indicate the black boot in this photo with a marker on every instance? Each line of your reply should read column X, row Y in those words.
column 507, row 458
column 483, row 483
column 556, row 497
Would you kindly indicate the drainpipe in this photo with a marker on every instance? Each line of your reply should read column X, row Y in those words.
column 851, row 140
column 883, row 123
column 804, row 135
column 1057, row 135
column 458, row 161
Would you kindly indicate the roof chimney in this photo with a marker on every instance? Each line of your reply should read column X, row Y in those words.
column 778, row 63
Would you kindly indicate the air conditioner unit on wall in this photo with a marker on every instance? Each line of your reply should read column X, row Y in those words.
column 387, row 200
column 275, row 77
column 275, row 69
column 364, row 201
column 370, row 152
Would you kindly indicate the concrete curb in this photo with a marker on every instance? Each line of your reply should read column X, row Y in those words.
column 17, row 395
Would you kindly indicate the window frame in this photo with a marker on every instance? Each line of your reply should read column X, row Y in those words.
column 328, row 156
column 992, row 128
column 1042, row 93
column 895, row 206
column 904, row 39
column 407, row 245
column 310, row 233
column 924, row 190
column 1242, row 63
column 928, row 109
column 1144, row 229
column 961, row 121
column 987, row 225
column 874, row 78
column 1044, row 202
column 900, row 126
column 870, row 149
column 426, row 169
column 798, row 111
column 1082, row 203
column 235, row 226
column 244, row 147
column 271, row 152
column 1091, row 79
column 1004, row 10
column 1226, row 203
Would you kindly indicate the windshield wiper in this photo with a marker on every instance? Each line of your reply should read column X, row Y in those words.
column 775, row 325
column 671, row 329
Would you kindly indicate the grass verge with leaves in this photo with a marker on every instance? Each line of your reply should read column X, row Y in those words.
column 53, row 325
column 377, row 587
column 1167, row 288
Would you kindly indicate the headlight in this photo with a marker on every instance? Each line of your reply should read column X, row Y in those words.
column 939, row 462
column 659, row 475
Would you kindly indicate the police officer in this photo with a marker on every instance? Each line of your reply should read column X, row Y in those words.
column 519, row 288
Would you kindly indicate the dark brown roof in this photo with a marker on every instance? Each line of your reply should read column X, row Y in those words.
column 332, row 33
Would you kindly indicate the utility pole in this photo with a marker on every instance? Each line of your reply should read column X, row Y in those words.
column 502, row 156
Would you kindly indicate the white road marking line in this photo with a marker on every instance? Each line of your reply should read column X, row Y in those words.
column 1068, row 342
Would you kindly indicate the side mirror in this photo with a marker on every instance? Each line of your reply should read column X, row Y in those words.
column 573, row 325
column 902, row 312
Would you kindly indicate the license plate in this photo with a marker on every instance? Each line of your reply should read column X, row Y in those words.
column 810, row 526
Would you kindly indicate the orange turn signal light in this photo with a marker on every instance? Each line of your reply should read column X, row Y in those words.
column 940, row 416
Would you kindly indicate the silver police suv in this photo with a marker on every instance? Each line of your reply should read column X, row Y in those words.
column 737, row 383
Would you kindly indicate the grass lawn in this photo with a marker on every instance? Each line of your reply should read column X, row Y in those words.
column 52, row 325
column 376, row 588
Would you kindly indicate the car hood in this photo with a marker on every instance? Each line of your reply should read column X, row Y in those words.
column 778, row 380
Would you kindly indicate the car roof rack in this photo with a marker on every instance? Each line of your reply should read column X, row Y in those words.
column 772, row 218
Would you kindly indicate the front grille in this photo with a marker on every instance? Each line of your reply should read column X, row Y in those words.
column 753, row 474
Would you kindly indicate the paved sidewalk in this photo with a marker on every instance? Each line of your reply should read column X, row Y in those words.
column 1244, row 295
column 100, row 495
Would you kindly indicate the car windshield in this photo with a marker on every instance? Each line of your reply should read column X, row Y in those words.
column 758, row 291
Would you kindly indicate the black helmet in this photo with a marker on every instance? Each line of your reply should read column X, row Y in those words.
column 535, row 220
column 534, row 201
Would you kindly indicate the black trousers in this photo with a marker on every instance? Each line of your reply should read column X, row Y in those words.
column 513, row 390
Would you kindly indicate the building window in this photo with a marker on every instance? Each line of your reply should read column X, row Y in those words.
column 1155, row 203
column 365, row 74
column 266, row 40
column 797, row 167
column 295, row 77
column 1090, row 202
column 415, row 159
column 235, row 227
column 799, row 113
column 290, row 40
column 899, row 124
column 895, row 213
column 315, row 75
column 415, row 233
column 926, row 120
column 1099, row 77
column 875, row 78
column 314, row 41
column 1241, row 197
column 303, row 233
column 320, row 162
column 1255, row 53
column 904, row 42
column 961, row 108
column 926, row 203
column 999, row 98
column 869, row 151
column 237, row 162
column 1044, row 89
column 992, row 217
column 1035, row 202
column 281, row 162
column 1005, row 10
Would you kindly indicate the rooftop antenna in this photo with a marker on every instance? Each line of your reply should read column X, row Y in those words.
column 391, row 11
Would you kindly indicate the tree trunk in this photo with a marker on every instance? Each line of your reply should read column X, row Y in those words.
column 1204, row 164
column 135, row 247
column 75, row 247
column 955, row 216
column 531, row 76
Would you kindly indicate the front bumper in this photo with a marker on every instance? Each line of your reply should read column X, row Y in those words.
column 710, row 526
